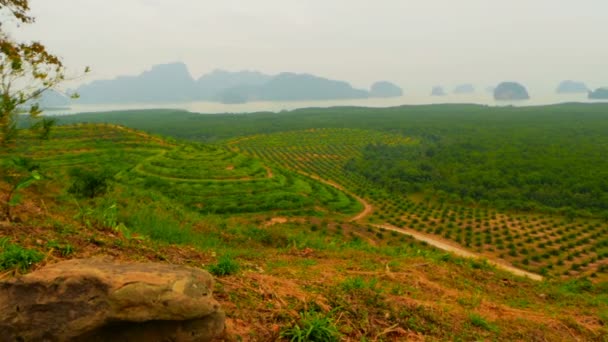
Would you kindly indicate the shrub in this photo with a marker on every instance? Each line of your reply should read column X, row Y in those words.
column 312, row 327
column 15, row 256
column 89, row 184
column 225, row 266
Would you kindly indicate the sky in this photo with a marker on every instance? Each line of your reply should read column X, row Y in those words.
column 414, row 43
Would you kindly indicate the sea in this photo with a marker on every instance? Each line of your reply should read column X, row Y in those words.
column 205, row 107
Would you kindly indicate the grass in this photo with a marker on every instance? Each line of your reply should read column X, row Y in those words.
column 13, row 256
column 312, row 327
column 226, row 265
column 480, row 322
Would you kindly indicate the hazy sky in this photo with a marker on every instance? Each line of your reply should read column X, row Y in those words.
column 415, row 43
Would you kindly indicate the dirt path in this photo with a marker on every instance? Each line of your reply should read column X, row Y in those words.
column 367, row 208
column 431, row 240
column 447, row 246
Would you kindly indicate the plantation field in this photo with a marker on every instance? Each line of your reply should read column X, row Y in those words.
column 210, row 179
column 321, row 152
column 215, row 180
column 89, row 146
column 549, row 159
column 550, row 245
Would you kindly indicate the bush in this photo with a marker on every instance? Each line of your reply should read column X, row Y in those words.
column 312, row 327
column 89, row 184
column 225, row 266
column 15, row 256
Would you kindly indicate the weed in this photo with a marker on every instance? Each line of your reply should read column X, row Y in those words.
column 225, row 266
column 15, row 256
column 312, row 327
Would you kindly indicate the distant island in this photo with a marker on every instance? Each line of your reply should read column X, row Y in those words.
column 385, row 89
column 50, row 99
column 174, row 83
column 511, row 91
column 438, row 91
column 572, row 87
column 292, row 87
column 464, row 89
column 599, row 94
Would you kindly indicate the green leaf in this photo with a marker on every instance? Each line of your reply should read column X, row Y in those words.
column 14, row 200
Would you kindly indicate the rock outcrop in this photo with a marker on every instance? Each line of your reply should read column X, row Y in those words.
column 572, row 87
column 385, row 89
column 599, row 94
column 100, row 300
column 511, row 91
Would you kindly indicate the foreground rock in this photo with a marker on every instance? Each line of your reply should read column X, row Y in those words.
column 511, row 91
column 97, row 300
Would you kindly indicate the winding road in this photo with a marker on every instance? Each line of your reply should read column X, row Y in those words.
column 429, row 239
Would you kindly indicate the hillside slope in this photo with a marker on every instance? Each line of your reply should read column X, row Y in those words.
column 276, row 268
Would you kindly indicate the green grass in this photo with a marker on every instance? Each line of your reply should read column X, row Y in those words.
column 226, row 265
column 13, row 256
column 312, row 327
column 481, row 322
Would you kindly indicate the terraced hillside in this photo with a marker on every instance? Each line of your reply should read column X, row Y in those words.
column 550, row 245
column 88, row 145
column 216, row 180
column 210, row 179
column 321, row 152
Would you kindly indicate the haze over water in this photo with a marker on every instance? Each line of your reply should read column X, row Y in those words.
column 204, row 107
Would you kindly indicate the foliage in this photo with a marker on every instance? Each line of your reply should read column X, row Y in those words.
column 312, row 327
column 226, row 265
column 15, row 256
column 89, row 183
column 19, row 173
column 44, row 126
column 27, row 70
column 521, row 175
column 18, row 8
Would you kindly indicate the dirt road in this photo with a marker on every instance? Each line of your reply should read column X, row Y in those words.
column 431, row 240
column 446, row 246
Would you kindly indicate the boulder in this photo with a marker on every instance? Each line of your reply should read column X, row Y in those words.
column 101, row 300
column 511, row 91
